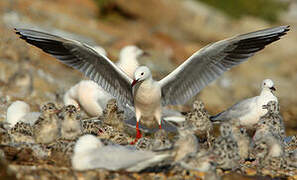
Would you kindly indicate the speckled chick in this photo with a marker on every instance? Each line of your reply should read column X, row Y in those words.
column 22, row 132
column 113, row 116
column 274, row 119
column 187, row 142
column 47, row 128
column 199, row 117
column 71, row 127
column 160, row 141
column 266, row 148
column 91, row 126
column 61, row 151
column 243, row 141
column 226, row 149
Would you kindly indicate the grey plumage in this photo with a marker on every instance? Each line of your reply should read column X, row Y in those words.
column 213, row 60
column 180, row 85
column 82, row 57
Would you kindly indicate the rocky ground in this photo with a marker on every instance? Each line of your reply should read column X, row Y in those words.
column 170, row 32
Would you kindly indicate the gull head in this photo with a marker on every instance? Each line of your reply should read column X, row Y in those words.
column 268, row 84
column 131, row 52
column 141, row 73
column 86, row 143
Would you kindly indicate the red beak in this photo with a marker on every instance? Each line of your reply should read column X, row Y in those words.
column 134, row 82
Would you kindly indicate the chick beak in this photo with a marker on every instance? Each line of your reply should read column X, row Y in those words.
column 273, row 88
column 134, row 82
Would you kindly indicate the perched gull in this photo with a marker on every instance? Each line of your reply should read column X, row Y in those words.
column 249, row 111
column 142, row 92
column 88, row 95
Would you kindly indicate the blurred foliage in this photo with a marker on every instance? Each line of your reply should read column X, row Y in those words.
column 111, row 9
column 265, row 9
column 104, row 6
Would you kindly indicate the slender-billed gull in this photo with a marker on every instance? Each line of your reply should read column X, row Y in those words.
column 249, row 111
column 90, row 153
column 142, row 92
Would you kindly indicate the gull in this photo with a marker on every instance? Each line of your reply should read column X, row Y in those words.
column 88, row 95
column 249, row 111
column 142, row 91
column 90, row 153
column 19, row 111
column 16, row 111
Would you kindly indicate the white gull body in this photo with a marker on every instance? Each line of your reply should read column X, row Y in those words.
column 142, row 92
column 90, row 153
column 19, row 111
column 249, row 111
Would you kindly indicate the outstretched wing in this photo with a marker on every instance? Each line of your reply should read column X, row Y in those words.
column 212, row 61
column 82, row 57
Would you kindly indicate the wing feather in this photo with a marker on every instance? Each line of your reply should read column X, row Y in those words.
column 80, row 56
column 210, row 62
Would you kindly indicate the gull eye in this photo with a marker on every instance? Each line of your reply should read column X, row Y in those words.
column 264, row 83
column 142, row 73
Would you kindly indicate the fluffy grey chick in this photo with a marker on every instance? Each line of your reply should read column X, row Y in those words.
column 159, row 142
column 266, row 148
column 199, row 118
column 47, row 128
column 187, row 142
column 22, row 132
column 274, row 119
column 226, row 148
column 267, row 136
column 202, row 161
column 113, row 115
column 243, row 141
column 71, row 126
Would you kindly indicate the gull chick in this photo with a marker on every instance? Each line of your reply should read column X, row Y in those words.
column 71, row 126
column 47, row 128
column 249, row 111
column 225, row 148
column 145, row 94
column 274, row 119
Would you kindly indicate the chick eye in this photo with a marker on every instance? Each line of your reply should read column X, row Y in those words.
column 264, row 83
column 142, row 73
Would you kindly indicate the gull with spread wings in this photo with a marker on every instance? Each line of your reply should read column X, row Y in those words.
column 142, row 92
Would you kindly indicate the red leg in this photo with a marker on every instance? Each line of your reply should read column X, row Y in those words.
column 138, row 134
